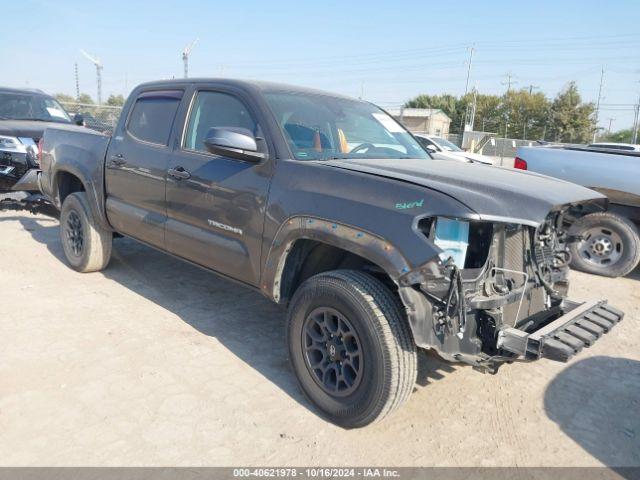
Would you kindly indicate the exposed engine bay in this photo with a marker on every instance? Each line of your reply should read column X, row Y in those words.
column 493, row 281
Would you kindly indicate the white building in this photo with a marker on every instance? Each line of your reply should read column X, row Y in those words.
column 431, row 121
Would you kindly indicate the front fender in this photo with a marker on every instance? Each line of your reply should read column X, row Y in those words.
column 346, row 237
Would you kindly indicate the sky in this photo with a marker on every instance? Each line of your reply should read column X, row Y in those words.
column 386, row 52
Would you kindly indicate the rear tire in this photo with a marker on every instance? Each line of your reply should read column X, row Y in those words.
column 87, row 246
column 351, row 347
column 610, row 245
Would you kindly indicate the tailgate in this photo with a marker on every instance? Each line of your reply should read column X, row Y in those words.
column 561, row 339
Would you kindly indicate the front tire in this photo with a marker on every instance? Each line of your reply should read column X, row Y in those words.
column 351, row 347
column 87, row 246
column 610, row 245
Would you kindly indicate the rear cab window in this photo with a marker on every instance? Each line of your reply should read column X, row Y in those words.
column 152, row 115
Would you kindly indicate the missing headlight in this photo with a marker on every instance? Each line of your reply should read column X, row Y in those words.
column 467, row 243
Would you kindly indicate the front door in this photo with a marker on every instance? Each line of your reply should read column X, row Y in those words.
column 215, row 204
column 136, row 167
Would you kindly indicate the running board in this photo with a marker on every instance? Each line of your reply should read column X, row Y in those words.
column 563, row 338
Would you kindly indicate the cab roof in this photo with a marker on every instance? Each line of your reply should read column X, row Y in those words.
column 254, row 85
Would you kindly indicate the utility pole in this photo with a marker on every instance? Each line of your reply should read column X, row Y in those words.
column 466, row 90
column 77, row 83
column 610, row 122
column 466, row 86
column 595, row 133
column 509, row 76
column 526, row 120
column 474, row 106
column 636, row 122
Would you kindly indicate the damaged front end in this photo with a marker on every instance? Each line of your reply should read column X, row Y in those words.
column 497, row 293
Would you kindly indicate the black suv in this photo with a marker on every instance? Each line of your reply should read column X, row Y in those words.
column 24, row 116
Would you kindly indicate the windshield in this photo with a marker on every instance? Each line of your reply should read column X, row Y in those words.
column 26, row 106
column 321, row 127
column 446, row 144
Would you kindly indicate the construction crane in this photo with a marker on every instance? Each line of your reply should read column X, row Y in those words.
column 98, row 64
column 185, row 56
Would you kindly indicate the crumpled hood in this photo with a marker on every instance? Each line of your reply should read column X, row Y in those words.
column 29, row 128
column 494, row 193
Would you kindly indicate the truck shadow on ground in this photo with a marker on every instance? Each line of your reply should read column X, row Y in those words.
column 635, row 275
column 245, row 322
column 596, row 402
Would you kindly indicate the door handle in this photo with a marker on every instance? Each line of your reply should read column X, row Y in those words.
column 179, row 172
column 117, row 160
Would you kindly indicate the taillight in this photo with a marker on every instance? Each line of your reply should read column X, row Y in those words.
column 520, row 163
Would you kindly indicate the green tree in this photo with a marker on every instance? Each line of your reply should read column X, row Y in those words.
column 571, row 120
column 527, row 112
column 115, row 100
column 85, row 98
column 488, row 114
column 621, row 136
column 64, row 98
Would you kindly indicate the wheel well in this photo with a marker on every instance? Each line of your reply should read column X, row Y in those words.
column 310, row 257
column 68, row 183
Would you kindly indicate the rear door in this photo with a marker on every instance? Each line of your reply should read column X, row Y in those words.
column 136, row 167
column 216, row 209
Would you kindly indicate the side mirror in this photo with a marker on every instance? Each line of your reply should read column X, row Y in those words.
column 233, row 142
column 432, row 149
column 78, row 119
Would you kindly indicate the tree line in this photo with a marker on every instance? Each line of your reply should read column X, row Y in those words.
column 520, row 114
column 85, row 98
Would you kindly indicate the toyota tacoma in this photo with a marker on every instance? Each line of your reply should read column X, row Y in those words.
column 329, row 206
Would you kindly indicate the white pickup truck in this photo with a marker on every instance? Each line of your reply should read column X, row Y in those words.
column 606, row 243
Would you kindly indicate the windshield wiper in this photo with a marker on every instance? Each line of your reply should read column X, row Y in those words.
column 31, row 119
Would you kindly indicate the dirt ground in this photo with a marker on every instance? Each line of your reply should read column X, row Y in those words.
column 156, row 362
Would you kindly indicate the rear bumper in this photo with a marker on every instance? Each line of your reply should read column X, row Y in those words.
column 561, row 339
column 29, row 182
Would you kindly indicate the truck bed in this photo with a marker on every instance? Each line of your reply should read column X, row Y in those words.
column 81, row 153
column 613, row 173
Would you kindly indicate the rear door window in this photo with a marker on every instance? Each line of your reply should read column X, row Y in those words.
column 152, row 116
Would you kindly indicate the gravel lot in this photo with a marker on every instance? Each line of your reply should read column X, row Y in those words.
column 155, row 362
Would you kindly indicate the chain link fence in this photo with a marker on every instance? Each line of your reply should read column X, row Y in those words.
column 102, row 118
column 505, row 147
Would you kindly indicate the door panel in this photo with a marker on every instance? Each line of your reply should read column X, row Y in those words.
column 136, row 167
column 216, row 215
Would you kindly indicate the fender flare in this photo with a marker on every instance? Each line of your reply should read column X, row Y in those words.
column 94, row 194
column 360, row 242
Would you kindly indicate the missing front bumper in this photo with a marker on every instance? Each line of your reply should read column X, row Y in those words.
column 564, row 337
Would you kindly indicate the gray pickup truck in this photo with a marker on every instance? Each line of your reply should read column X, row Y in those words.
column 606, row 243
column 329, row 206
